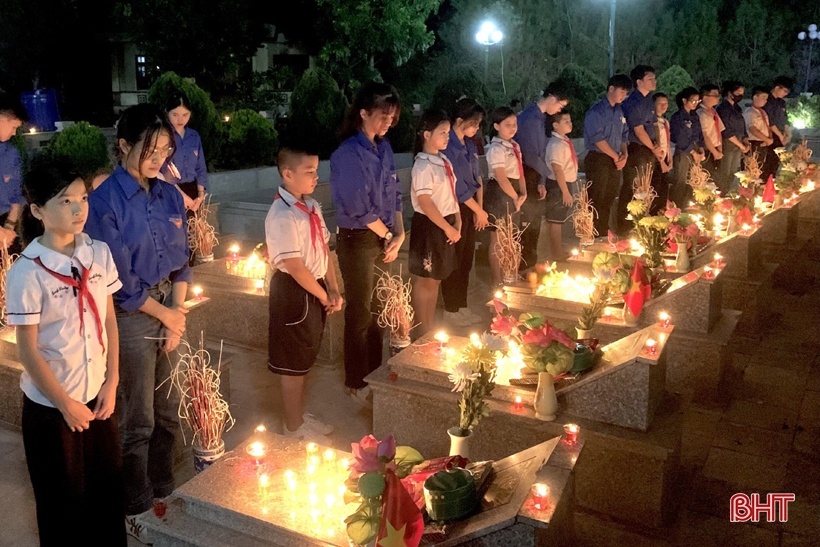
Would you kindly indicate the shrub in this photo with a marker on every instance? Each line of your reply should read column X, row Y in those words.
column 317, row 107
column 252, row 141
column 672, row 81
column 204, row 117
column 461, row 81
column 402, row 136
column 804, row 112
column 85, row 146
column 584, row 89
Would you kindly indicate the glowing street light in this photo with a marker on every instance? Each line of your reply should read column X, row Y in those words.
column 489, row 35
column 811, row 36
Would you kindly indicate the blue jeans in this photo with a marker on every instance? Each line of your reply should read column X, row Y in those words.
column 148, row 416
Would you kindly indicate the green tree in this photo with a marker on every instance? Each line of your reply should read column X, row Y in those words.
column 204, row 117
column 317, row 107
column 85, row 146
column 252, row 141
column 460, row 81
column 753, row 49
column 673, row 80
column 366, row 32
column 585, row 90
column 696, row 42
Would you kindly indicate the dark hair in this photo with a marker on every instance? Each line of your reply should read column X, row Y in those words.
column 684, row 94
column 290, row 157
column 758, row 89
column 467, row 110
column 430, row 119
column 176, row 100
column 371, row 96
column 142, row 122
column 620, row 81
column 12, row 108
column 706, row 88
column 46, row 179
column 558, row 89
column 557, row 117
column 659, row 95
column 502, row 113
column 639, row 72
column 730, row 86
column 784, row 81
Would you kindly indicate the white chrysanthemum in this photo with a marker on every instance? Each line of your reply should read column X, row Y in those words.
column 493, row 342
column 460, row 375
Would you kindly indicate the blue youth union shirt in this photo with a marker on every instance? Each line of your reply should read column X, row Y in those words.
column 685, row 130
column 189, row 158
column 11, row 178
column 363, row 183
column 639, row 110
column 145, row 231
column 532, row 138
column 604, row 122
column 464, row 158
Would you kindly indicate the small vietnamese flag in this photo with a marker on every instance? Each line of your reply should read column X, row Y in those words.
column 745, row 217
column 768, row 192
column 639, row 288
column 402, row 524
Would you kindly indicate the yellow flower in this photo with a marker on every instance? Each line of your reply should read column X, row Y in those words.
column 702, row 195
column 636, row 207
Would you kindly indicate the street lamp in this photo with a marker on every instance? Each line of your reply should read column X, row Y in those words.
column 488, row 35
column 811, row 36
column 612, row 37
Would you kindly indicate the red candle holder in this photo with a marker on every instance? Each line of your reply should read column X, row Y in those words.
column 518, row 405
column 651, row 347
column 540, row 494
column 708, row 273
column 571, row 434
column 664, row 320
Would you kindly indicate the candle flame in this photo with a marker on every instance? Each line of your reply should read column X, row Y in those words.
column 234, row 248
column 541, row 489
column 499, row 294
column 663, row 316
column 442, row 337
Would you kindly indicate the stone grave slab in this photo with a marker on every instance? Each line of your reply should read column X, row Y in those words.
column 752, row 296
column 629, row 475
column 225, row 506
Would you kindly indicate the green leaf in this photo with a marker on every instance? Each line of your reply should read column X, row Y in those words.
column 406, row 458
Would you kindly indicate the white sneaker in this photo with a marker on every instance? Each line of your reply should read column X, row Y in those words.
column 135, row 527
column 363, row 396
column 305, row 433
column 316, row 425
column 470, row 316
column 456, row 319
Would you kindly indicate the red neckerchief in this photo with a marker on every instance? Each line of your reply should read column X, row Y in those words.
column 765, row 119
column 315, row 225
column 451, row 177
column 717, row 126
column 81, row 288
column 517, row 151
column 572, row 151
column 668, row 135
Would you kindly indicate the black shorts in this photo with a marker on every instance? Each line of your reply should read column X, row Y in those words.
column 497, row 203
column 556, row 211
column 297, row 323
column 430, row 254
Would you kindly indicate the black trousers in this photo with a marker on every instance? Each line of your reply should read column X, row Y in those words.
column 77, row 477
column 454, row 288
column 661, row 182
column 532, row 213
column 606, row 180
column 771, row 162
column 639, row 157
column 359, row 252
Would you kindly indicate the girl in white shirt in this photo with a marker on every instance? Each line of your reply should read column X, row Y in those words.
column 58, row 296
column 436, row 224
column 506, row 188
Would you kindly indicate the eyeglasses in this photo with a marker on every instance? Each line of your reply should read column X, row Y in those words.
column 161, row 153
column 694, row 101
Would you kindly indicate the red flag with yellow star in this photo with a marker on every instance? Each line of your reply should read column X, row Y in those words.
column 768, row 192
column 639, row 288
column 402, row 524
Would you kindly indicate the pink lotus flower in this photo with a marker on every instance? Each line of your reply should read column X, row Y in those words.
column 366, row 455
column 744, row 192
column 671, row 213
column 562, row 338
column 386, row 450
column 537, row 337
column 504, row 325
column 546, row 335
column 500, row 307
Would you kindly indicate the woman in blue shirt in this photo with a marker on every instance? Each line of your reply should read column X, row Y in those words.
column 189, row 173
column 466, row 118
column 142, row 219
column 686, row 134
column 369, row 220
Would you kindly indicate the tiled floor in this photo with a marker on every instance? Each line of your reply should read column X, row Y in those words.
column 766, row 440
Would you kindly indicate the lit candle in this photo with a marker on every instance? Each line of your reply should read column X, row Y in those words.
column 257, row 450
column 260, row 429
column 575, row 253
column 260, row 285
column 499, row 295
column 664, row 317
column 264, row 484
column 475, row 340
column 234, row 253
column 718, row 260
column 330, row 500
column 197, row 290
column 571, row 433
column 746, row 229
column 708, row 273
column 290, row 480
column 311, row 449
column 311, row 469
column 607, row 314
column 344, row 466
column 329, row 458
column 651, row 347
column 442, row 338
column 518, row 405
column 540, row 493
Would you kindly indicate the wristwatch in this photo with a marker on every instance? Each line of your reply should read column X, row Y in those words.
column 388, row 236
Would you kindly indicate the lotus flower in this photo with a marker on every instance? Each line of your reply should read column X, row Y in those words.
column 500, row 307
column 671, row 212
column 504, row 325
column 365, row 455
column 745, row 192
column 386, row 449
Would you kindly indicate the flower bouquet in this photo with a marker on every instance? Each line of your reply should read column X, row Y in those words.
column 474, row 377
column 643, row 194
column 652, row 232
column 683, row 228
column 704, row 192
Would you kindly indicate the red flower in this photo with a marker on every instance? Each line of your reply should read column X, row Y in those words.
column 562, row 338
column 745, row 192
column 500, row 307
column 504, row 325
column 724, row 206
column 537, row 337
column 365, row 455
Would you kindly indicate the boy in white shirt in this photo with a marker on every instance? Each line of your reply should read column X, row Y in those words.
column 562, row 176
column 303, row 288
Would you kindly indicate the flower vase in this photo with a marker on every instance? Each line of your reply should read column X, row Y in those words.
column 459, row 445
column 509, row 279
column 398, row 344
column 682, row 258
column 205, row 457
column 546, row 402
column 583, row 334
column 201, row 259
column 629, row 319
